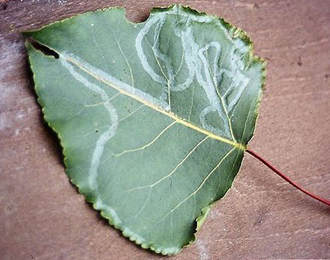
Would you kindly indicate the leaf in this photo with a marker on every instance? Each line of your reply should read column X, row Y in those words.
column 153, row 118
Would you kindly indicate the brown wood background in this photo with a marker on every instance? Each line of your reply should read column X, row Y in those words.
column 43, row 217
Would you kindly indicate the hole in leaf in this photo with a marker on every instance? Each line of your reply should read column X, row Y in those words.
column 44, row 49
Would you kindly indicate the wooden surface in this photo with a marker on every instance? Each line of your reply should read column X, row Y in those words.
column 43, row 217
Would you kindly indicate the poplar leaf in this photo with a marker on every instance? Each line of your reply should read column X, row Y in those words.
column 153, row 117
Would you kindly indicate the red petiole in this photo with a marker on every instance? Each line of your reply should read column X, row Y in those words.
column 325, row 201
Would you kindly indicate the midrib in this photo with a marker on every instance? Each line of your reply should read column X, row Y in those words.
column 169, row 114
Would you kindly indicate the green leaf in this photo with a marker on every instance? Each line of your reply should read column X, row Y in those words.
column 153, row 117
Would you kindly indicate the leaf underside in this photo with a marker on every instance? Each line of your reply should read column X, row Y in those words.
column 153, row 117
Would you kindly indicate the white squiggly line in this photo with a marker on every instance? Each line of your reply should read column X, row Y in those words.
column 208, row 85
column 140, row 51
column 193, row 56
column 99, row 205
column 240, row 84
column 104, row 138
column 107, row 135
column 196, row 62
column 202, row 118
column 104, row 77
column 190, row 50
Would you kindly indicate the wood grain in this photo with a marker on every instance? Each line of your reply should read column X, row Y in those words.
column 42, row 215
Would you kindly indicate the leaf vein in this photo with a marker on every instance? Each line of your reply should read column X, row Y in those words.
column 193, row 193
column 148, row 144
column 175, row 168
